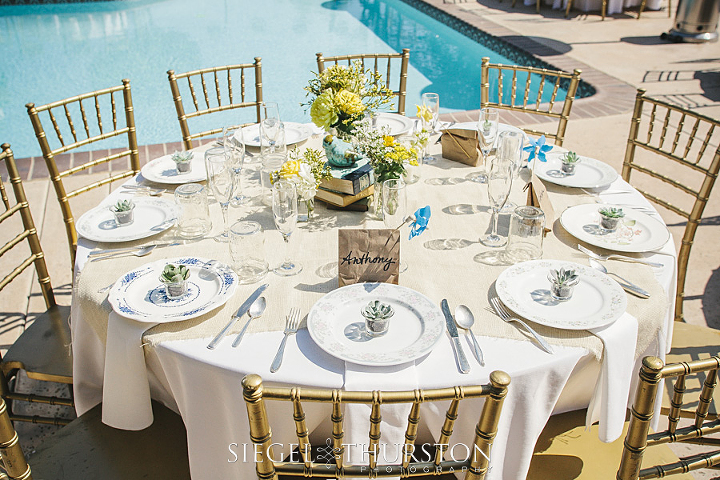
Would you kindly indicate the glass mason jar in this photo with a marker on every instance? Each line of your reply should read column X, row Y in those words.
column 525, row 239
column 194, row 219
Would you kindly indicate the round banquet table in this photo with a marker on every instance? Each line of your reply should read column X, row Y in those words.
column 446, row 261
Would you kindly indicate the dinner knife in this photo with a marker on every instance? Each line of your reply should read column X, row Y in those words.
column 241, row 311
column 452, row 330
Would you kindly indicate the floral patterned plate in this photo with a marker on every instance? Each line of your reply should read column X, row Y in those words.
column 638, row 232
column 589, row 173
column 336, row 324
column 597, row 300
column 139, row 294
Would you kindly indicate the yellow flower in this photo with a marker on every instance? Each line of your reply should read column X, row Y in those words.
column 388, row 140
column 424, row 113
column 322, row 111
column 289, row 169
column 349, row 102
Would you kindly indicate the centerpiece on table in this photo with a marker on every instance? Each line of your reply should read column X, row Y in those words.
column 306, row 171
column 342, row 95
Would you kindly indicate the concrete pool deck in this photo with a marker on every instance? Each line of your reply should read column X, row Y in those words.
column 617, row 56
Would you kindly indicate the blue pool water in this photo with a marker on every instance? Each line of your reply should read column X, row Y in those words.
column 51, row 52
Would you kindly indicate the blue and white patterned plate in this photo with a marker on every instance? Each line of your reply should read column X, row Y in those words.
column 597, row 300
column 140, row 295
column 337, row 326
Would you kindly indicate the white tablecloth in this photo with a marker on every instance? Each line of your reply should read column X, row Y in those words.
column 205, row 388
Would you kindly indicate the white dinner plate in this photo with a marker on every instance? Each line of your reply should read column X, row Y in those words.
column 151, row 216
column 589, row 173
column 140, row 295
column 502, row 127
column 163, row 170
column 398, row 124
column 337, row 326
column 597, row 300
column 638, row 232
column 294, row 133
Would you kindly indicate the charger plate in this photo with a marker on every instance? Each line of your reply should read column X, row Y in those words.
column 597, row 300
column 337, row 326
column 140, row 295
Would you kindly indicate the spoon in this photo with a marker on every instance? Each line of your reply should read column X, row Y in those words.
column 625, row 284
column 465, row 320
column 138, row 253
column 255, row 310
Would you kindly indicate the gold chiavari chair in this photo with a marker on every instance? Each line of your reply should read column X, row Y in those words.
column 92, row 131
column 531, row 102
column 644, row 2
column 43, row 349
column 221, row 78
column 89, row 449
column 603, row 9
column 399, row 89
column 675, row 137
column 475, row 466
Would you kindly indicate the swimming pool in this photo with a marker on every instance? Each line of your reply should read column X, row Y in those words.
column 57, row 51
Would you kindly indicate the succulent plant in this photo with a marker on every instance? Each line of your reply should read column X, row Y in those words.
column 174, row 273
column 612, row 212
column 570, row 157
column 377, row 310
column 182, row 157
column 123, row 206
column 563, row 277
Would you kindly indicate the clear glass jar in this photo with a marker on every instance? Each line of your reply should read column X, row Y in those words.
column 247, row 248
column 195, row 215
column 527, row 230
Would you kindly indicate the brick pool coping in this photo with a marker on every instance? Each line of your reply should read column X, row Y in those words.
column 612, row 96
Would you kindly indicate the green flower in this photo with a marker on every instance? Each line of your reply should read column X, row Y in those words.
column 322, row 111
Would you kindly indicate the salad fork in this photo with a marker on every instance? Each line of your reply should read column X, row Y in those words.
column 291, row 327
column 597, row 256
column 505, row 315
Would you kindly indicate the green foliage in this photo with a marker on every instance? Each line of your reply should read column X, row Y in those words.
column 174, row 273
column 563, row 277
column 612, row 212
column 123, row 206
column 377, row 310
column 570, row 157
column 182, row 157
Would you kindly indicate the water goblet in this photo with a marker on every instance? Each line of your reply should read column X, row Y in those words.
column 499, row 181
column 221, row 178
column 487, row 134
column 285, row 214
column 432, row 102
column 233, row 141
column 270, row 127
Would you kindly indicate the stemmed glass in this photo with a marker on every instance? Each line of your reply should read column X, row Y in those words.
column 394, row 204
column 285, row 214
column 510, row 148
column 432, row 102
column 234, row 144
column 221, row 178
column 269, row 125
column 487, row 134
column 499, row 182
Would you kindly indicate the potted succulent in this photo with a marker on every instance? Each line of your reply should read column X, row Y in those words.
column 562, row 283
column 174, row 277
column 377, row 318
column 610, row 218
column 183, row 161
column 569, row 161
column 123, row 211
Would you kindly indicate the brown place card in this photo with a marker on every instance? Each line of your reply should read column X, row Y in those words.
column 368, row 255
column 460, row 145
column 538, row 197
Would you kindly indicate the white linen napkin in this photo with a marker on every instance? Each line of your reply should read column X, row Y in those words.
column 610, row 399
column 126, row 389
column 394, row 417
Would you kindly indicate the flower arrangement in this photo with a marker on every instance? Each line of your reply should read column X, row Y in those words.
column 386, row 155
column 305, row 170
column 341, row 95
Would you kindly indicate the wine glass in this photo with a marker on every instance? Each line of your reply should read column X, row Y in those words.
column 487, row 134
column 510, row 148
column 394, row 204
column 432, row 102
column 234, row 143
column 269, row 126
column 221, row 178
column 499, row 180
column 285, row 214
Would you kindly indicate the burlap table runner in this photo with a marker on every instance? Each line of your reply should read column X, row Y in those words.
column 447, row 261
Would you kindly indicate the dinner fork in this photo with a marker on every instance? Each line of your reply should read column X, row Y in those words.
column 291, row 327
column 597, row 256
column 505, row 315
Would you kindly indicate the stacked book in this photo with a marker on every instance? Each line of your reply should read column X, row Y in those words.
column 349, row 187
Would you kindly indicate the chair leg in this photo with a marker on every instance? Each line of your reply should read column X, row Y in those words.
column 537, row 6
column 567, row 9
column 669, row 8
column 642, row 7
column 604, row 9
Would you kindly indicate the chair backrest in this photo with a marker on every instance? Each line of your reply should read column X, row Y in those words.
column 213, row 100
column 476, row 465
column 11, row 453
column 382, row 64
column 534, row 97
column 638, row 436
column 104, row 106
column 675, row 137
column 21, row 207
